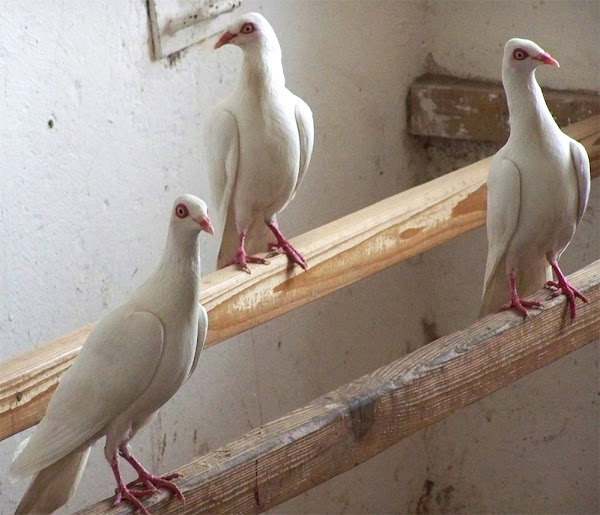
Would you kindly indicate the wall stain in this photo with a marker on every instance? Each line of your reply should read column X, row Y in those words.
column 430, row 330
column 163, row 446
column 438, row 502
column 425, row 499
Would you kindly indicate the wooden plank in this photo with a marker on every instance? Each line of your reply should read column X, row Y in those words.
column 339, row 253
column 345, row 427
column 449, row 107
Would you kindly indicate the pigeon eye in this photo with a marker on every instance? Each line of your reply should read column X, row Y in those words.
column 181, row 210
column 519, row 54
column 247, row 28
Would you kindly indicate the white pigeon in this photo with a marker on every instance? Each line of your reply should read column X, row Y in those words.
column 538, row 188
column 134, row 361
column 259, row 144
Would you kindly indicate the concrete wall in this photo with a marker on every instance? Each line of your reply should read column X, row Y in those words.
column 83, row 208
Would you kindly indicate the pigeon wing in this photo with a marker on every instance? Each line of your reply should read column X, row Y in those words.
column 306, row 132
column 114, row 368
column 503, row 205
column 222, row 151
column 202, row 330
column 581, row 162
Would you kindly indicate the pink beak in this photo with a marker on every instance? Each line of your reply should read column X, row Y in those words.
column 206, row 225
column 547, row 59
column 225, row 38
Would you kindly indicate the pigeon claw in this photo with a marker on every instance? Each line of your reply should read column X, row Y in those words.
column 291, row 252
column 564, row 288
column 521, row 305
column 283, row 246
column 242, row 259
column 131, row 495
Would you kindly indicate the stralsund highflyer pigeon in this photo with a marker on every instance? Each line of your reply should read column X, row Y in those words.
column 538, row 188
column 134, row 361
column 259, row 144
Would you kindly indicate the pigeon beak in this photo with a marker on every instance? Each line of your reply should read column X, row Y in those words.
column 205, row 224
column 225, row 38
column 547, row 59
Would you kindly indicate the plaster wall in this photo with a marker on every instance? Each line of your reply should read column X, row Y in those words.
column 83, row 209
column 532, row 447
column 84, row 203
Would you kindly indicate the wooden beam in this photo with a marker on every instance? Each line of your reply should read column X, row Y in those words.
column 450, row 107
column 339, row 253
column 345, row 427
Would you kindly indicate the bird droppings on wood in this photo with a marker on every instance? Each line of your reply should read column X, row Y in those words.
column 19, row 396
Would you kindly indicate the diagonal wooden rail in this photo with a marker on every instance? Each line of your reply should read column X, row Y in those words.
column 345, row 427
column 339, row 253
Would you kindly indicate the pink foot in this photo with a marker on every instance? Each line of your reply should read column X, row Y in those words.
column 242, row 259
column 123, row 492
column 521, row 305
column 562, row 287
column 150, row 481
column 517, row 302
column 283, row 246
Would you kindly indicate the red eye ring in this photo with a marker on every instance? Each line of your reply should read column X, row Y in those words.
column 248, row 28
column 519, row 54
column 181, row 211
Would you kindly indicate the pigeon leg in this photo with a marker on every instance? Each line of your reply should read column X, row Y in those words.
column 123, row 492
column 283, row 246
column 149, row 480
column 562, row 287
column 517, row 302
column 242, row 259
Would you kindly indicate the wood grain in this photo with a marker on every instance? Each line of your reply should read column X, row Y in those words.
column 449, row 107
column 338, row 254
column 349, row 425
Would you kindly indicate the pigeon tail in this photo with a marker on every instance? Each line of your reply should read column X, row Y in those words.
column 497, row 291
column 53, row 486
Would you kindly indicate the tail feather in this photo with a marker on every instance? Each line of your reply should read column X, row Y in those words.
column 497, row 290
column 55, row 485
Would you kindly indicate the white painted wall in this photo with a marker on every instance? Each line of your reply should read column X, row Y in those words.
column 83, row 210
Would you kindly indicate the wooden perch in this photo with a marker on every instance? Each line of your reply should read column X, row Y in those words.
column 345, row 427
column 339, row 253
column 450, row 107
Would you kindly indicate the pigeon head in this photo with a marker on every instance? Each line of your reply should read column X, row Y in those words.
column 525, row 56
column 191, row 213
column 251, row 30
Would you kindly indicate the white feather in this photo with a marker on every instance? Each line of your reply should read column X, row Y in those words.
column 134, row 361
column 537, row 188
column 260, row 143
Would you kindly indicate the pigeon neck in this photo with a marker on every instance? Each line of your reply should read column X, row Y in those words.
column 262, row 69
column 526, row 104
column 181, row 257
